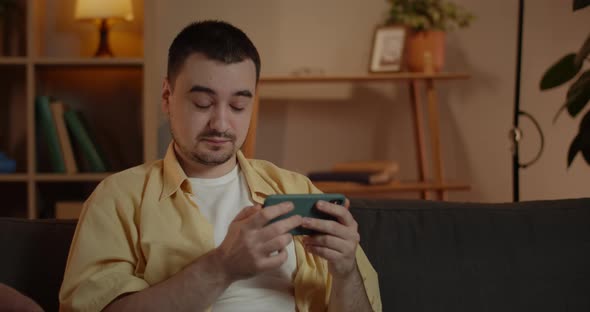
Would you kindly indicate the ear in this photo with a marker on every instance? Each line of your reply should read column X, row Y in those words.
column 166, row 93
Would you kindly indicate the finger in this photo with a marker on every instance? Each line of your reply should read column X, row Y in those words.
column 330, row 227
column 270, row 231
column 272, row 262
column 276, row 244
column 326, row 253
column 247, row 212
column 347, row 203
column 343, row 215
column 269, row 213
column 332, row 242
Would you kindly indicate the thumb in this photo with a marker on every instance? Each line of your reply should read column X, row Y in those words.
column 247, row 212
column 347, row 204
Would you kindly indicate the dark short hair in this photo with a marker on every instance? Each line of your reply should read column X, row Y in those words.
column 217, row 40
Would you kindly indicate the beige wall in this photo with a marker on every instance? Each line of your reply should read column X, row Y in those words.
column 308, row 127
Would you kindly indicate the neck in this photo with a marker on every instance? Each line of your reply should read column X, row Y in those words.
column 194, row 169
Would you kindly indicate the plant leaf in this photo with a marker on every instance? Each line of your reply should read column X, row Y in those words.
column 560, row 72
column 584, row 137
column 581, row 142
column 561, row 109
column 573, row 150
column 578, row 94
column 586, row 152
column 580, row 4
column 583, row 53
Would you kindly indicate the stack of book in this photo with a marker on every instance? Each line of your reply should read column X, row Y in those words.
column 67, row 141
column 364, row 172
column 68, row 209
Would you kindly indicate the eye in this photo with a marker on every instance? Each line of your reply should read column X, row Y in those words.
column 202, row 104
column 237, row 107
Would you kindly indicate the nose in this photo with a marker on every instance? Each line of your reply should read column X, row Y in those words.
column 219, row 119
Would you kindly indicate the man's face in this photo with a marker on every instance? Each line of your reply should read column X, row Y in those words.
column 210, row 108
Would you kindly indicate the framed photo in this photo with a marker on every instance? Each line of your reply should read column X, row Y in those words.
column 388, row 49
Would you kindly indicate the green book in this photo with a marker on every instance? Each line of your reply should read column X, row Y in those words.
column 47, row 129
column 81, row 136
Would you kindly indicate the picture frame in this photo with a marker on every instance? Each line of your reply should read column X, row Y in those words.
column 387, row 54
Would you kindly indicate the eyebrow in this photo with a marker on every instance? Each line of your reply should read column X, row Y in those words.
column 197, row 88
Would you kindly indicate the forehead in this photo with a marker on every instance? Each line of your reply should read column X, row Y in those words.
column 203, row 71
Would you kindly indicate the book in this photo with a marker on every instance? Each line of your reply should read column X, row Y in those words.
column 93, row 138
column 82, row 138
column 367, row 166
column 46, row 129
column 367, row 177
column 68, row 209
column 58, row 110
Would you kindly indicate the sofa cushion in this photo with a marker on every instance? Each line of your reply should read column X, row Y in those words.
column 34, row 254
column 441, row 256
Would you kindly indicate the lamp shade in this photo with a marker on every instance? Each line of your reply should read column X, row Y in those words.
column 104, row 9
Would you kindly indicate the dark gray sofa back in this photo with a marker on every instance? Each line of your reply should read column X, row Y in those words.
column 430, row 256
column 439, row 256
column 34, row 254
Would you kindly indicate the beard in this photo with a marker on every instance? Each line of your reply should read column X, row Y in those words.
column 205, row 154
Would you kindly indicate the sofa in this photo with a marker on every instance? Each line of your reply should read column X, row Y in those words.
column 430, row 256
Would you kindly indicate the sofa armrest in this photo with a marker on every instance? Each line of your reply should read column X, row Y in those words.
column 12, row 300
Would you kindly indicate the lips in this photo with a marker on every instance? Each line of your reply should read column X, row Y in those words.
column 216, row 140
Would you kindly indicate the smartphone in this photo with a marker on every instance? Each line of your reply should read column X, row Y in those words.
column 305, row 207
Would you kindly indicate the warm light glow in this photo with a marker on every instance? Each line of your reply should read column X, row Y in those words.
column 104, row 9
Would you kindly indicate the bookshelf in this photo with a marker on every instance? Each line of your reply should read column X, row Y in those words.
column 52, row 57
column 426, row 183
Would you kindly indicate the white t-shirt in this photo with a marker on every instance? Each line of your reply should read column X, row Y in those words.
column 220, row 200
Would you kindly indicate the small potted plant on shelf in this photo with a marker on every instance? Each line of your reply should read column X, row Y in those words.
column 427, row 22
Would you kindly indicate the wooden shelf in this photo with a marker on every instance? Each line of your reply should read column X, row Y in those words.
column 350, row 188
column 5, row 60
column 89, row 61
column 367, row 77
column 110, row 94
column 13, row 177
column 79, row 177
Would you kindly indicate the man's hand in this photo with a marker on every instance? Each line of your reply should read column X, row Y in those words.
column 247, row 248
column 339, row 240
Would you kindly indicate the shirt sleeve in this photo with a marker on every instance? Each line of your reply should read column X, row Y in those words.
column 370, row 279
column 104, row 253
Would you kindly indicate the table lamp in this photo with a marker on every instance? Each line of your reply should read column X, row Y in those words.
column 104, row 12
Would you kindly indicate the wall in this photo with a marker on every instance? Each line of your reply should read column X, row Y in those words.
column 306, row 128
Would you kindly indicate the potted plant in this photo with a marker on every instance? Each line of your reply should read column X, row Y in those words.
column 427, row 22
column 578, row 94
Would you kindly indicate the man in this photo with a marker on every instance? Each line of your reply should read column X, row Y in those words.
column 173, row 235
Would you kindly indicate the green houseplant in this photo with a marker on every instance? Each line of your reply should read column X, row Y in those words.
column 578, row 94
column 427, row 22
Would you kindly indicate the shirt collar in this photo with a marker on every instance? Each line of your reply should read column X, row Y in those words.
column 259, row 187
column 173, row 175
column 175, row 178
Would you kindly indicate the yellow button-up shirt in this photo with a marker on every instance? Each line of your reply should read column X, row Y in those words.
column 139, row 227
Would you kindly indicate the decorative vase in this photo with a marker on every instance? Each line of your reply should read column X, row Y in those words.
column 425, row 51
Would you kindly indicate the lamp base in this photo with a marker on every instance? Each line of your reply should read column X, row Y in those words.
column 103, row 50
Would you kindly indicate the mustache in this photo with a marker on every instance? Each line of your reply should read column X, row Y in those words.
column 217, row 134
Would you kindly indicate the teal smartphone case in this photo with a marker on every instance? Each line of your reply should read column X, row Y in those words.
column 305, row 207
